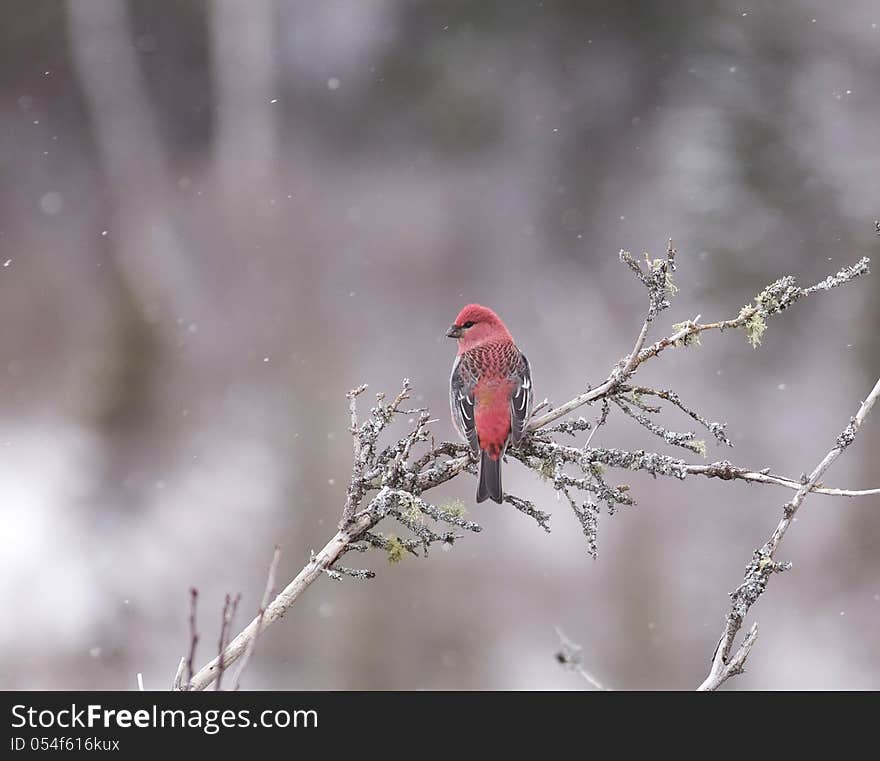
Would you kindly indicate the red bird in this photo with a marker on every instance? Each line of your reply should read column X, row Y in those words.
column 490, row 392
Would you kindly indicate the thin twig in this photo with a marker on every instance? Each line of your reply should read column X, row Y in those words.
column 726, row 471
column 570, row 655
column 598, row 424
column 267, row 596
column 193, row 632
column 180, row 678
column 763, row 565
column 355, row 492
column 716, row 429
column 230, row 605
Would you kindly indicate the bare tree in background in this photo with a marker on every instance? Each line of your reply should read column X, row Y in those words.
column 388, row 481
column 147, row 250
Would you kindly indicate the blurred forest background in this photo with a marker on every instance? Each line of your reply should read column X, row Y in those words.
column 218, row 217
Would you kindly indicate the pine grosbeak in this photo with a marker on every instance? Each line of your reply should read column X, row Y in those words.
column 490, row 392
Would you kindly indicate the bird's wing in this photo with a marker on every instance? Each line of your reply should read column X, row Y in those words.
column 461, row 402
column 521, row 400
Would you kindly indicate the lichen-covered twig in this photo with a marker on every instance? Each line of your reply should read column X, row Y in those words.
column 764, row 564
column 354, row 495
column 775, row 298
column 716, row 429
column 528, row 508
column 658, row 280
column 687, row 440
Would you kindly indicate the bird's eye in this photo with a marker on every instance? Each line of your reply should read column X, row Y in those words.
column 468, row 324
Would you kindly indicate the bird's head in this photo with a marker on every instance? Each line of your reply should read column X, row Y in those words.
column 476, row 324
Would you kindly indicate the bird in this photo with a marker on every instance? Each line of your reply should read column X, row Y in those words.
column 490, row 392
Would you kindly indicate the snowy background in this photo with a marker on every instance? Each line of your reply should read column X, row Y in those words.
column 217, row 217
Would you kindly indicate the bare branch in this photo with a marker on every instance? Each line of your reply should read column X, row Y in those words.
column 193, row 633
column 288, row 596
column 267, row 596
column 230, row 605
column 181, row 679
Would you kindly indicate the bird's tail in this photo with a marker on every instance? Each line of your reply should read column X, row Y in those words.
column 490, row 479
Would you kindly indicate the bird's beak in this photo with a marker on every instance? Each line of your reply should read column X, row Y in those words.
column 454, row 332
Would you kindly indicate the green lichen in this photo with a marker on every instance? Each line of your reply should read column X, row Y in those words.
column 395, row 549
column 698, row 446
column 456, row 507
column 766, row 302
column 546, row 469
column 656, row 265
column 774, row 298
column 689, row 339
column 412, row 512
column 754, row 324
